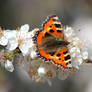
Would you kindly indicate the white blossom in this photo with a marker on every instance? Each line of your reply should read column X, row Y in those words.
column 85, row 55
column 68, row 31
column 21, row 39
column 9, row 66
column 3, row 41
column 41, row 71
column 12, row 44
column 8, row 34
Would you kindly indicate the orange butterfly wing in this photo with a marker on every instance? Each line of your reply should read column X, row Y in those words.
column 53, row 26
column 62, row 58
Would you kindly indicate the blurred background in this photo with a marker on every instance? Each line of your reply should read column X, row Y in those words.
column 76, row 13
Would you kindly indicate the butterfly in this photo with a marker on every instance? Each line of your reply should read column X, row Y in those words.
column 51, row 45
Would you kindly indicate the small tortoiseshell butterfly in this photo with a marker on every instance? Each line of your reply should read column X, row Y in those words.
column 50, row 43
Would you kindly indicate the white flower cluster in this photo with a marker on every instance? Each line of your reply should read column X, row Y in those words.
column 17, row 38
column 20, row 38
column 77, row 49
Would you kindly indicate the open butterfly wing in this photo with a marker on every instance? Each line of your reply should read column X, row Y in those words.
column 53, row 26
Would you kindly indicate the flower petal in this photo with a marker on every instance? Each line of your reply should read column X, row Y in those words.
column 24, row 49
column 25, row 28
column 41, row 71
column 9, row 66
column 10, row 34
column 3, row 41
column 12, row 45
column 25, row 46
